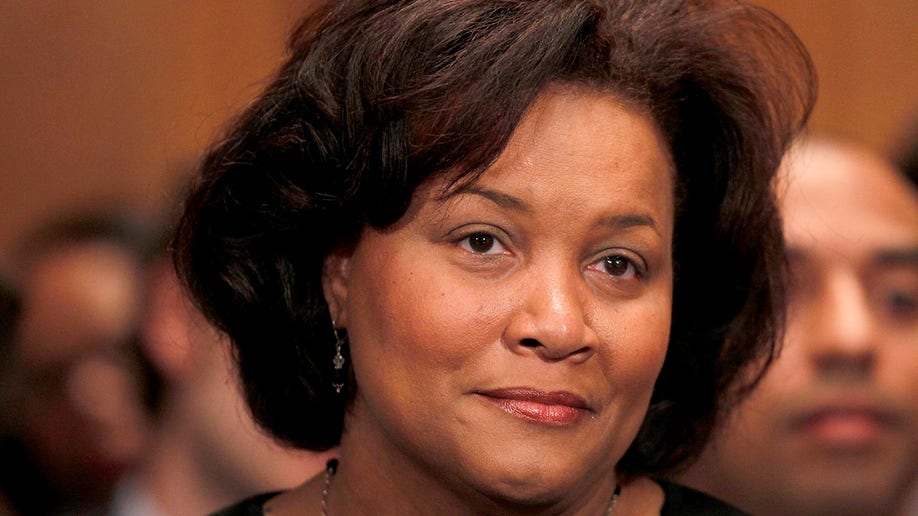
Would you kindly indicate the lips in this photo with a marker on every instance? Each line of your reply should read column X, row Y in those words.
column 551, row 408
column 843, row 425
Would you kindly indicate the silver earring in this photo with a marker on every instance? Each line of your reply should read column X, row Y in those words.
column 338, row 360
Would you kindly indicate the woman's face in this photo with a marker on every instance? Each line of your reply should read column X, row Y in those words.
column 507, row 335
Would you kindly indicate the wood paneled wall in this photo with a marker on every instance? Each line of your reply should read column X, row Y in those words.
column 110, row 101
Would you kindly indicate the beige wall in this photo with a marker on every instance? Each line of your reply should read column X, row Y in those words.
column 866, row 54
column 111, row 100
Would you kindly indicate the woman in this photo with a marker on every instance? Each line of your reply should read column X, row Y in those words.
column 506, row 254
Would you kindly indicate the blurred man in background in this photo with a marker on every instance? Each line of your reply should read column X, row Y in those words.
column 118, row 397
column 75, row 385
column 9, row 314
column 206, row 451
column 833, row 427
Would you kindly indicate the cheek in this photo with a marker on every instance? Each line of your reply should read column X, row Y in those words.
column 637, row 361
column 640, row 335
column 636, row 337
column 761, row 416
column 898, row 371
column 789, row 372
column 430, row 326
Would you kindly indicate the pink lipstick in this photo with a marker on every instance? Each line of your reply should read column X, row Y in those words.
column 552, row 408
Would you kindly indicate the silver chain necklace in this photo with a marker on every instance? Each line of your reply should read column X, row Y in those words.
column 332, row 465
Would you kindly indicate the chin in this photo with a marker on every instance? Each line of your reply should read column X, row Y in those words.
column 529, row 486
column 524, row 497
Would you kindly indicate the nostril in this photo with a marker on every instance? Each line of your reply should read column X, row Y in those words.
column 840, row 363
column 530, row 343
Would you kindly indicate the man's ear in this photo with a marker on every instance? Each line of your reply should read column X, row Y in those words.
column 335, row 271
column 164, row 328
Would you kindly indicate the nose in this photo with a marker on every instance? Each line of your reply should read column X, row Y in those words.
column 551, row 320
column 843, row 332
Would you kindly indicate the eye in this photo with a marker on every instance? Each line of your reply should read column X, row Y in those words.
column 482, row 243
column 619, row 265
column 895, row 293
column 901, row 303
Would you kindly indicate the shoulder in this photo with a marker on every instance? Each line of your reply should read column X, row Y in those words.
column 252, row 506
column 681, row 500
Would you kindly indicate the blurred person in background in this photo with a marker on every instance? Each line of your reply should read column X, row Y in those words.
column 121, row 398
column 833, row 427
column 205, row 451
column 9, row 312
column 908, row 158
column 9, row 307
column 77, row 388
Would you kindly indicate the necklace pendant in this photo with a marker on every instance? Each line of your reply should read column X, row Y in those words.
column 338, row 387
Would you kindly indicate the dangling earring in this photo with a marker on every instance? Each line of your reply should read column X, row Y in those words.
column 338, row 360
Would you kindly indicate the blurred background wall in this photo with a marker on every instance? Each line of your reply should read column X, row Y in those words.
column 104, row 101
column 113, row 101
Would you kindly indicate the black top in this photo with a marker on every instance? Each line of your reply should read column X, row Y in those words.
column 679, row 501
column 253, row 506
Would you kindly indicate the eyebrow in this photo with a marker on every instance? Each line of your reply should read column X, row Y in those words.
column 906, row 256
column 516, row 204
column 499, row 198
column 630, row 221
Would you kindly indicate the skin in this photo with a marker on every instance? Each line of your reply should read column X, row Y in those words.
column 832, row 428
column 551, row 272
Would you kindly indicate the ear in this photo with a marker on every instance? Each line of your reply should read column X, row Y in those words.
column 335, row 272
column 165, row 323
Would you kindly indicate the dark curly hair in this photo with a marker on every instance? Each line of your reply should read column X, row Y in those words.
column 378, row 96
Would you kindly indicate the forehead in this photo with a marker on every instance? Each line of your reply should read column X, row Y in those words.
column 78, row 297
column 574, row 134
column 841, row 201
